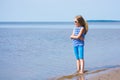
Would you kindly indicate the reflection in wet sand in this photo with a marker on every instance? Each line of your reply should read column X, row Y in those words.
column 81, row 77
column 75, row 76
column 72, row 77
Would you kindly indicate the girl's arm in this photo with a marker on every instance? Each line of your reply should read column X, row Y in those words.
column 79, row 35
column 72, row 34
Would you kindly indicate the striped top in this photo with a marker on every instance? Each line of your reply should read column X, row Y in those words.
column 78, row 42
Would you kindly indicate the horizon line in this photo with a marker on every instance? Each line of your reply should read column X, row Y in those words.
column 68, row 21
column 54, row 22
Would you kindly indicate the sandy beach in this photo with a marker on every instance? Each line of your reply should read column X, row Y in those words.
column 110, row 74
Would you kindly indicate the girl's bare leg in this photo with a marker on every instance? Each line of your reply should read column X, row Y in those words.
column 81, row 66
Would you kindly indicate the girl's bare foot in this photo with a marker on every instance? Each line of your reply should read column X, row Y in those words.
column 81, row 72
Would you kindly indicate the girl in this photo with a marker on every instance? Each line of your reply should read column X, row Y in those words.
column 78, row 36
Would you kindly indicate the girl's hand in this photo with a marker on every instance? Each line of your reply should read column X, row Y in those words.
column 71, row 36
column 74, row 37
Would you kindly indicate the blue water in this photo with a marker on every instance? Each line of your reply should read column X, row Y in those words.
column 41, row 52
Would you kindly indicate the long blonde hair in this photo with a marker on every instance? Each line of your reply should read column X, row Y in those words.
column 82, row 22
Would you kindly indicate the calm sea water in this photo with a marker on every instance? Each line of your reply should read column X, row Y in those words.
column 41, row 52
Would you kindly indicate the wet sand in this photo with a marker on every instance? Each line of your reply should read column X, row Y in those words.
column 111, row 73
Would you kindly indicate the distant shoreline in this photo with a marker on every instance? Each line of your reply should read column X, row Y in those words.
column 103, row 20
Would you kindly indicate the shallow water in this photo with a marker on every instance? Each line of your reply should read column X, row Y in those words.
column 44, row 53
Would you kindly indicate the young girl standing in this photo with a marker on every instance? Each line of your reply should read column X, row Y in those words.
column 78, row 36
